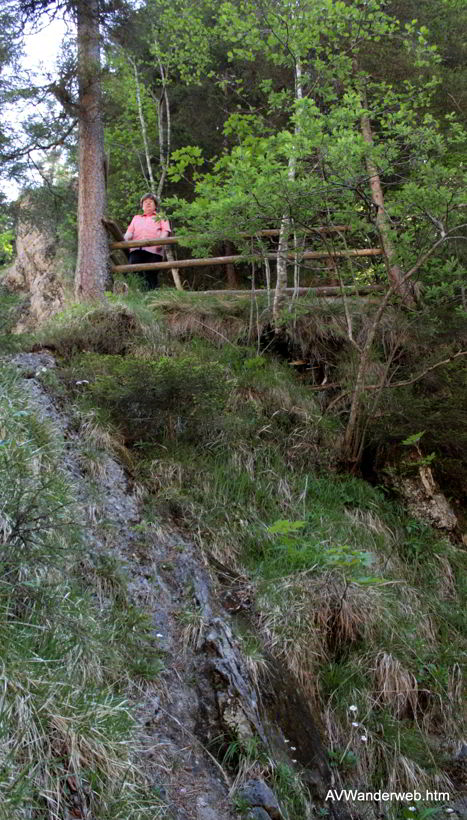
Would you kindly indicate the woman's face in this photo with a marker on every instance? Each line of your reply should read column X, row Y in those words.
column 149, row 207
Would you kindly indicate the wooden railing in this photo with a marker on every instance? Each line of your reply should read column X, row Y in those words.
column 174, row 265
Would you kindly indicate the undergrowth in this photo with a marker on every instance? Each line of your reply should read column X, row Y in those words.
column 365, row 606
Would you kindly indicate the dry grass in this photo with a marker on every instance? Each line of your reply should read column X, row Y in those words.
column 218, row 319
column 376, row 750
column 193, row 625
column 447, row 580
column 102, row 439
column 395, row 687
column 372, row 522
column 64, row 732
column 162, row 474
column 311, row 618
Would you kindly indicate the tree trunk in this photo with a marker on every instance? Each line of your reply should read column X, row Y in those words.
column 142, row 122
column 232, row 276
column 93, row 253
column 283, row 245
column 395, row 273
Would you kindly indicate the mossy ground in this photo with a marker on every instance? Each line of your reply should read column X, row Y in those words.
column 364, row 605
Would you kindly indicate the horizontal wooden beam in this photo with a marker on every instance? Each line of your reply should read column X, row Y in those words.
column 226, row 260
column 319, row 290
column 173, row 240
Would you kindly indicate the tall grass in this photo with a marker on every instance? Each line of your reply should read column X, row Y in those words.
column 66, row 728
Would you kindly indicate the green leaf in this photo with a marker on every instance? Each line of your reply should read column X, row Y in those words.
column 413, row 439
column 284, row 527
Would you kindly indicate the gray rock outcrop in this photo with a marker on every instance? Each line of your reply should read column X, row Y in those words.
column 260, row 797
column 34, row 271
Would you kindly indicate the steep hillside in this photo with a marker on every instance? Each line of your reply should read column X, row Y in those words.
column 204, row 616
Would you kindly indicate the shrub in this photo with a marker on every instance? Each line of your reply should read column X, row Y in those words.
column 151, row 400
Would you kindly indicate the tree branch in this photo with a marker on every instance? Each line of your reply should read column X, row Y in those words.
column 402, row 383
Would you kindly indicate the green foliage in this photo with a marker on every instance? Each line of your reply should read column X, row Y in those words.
column 250, row 183
column 124, row 145
column 10, row 307
column 413, row 439
column 6, row 246
column 176, row 398
column 189, row 155
column 326, row 538
column 292, row 552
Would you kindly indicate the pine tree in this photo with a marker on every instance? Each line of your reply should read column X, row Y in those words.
column 92, row 264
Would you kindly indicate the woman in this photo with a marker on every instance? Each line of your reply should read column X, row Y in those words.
column 147, row 226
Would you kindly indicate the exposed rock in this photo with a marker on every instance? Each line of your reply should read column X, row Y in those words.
column 258, row 814
column 204, row 808
column 236, row 696
column 34, row 272
column 258, row 795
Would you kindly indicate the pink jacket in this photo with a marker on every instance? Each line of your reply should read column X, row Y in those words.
column 148, row 227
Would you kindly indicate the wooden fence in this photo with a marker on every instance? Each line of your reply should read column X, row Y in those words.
column 175, row 265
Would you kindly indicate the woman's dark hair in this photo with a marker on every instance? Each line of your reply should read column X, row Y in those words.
column 148, row 196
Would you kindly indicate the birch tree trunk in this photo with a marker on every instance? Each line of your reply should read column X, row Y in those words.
column 164, row 140
column 283, row 244
column 164, row 157
column 142, row 122
column 92, row 268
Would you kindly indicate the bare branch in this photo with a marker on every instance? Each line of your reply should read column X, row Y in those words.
column 419, row 376
column 402, row 383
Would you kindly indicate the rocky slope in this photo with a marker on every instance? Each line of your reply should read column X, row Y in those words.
column 205, row 692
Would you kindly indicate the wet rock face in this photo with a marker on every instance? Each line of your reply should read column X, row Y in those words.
column 34, row 272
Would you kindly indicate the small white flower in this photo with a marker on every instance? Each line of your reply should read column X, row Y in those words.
column 159, row 635
column 293, row 748
column 355, row 724
column 294, row 760
column 412, row 808
column 364, row 738
column 286, row 741
column 448, row 810
column 353, row 708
